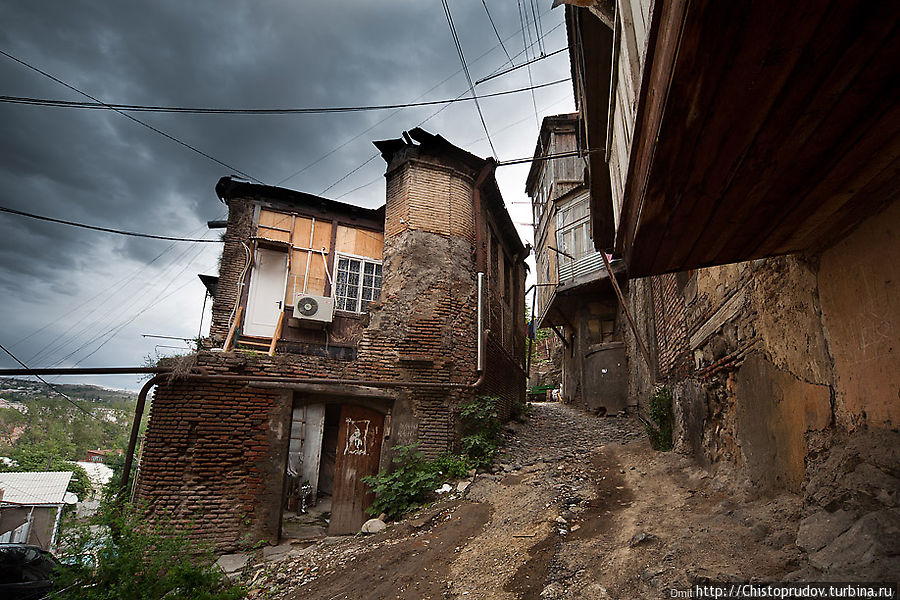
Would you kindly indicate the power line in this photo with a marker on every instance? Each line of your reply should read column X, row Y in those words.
column 107, row 292
column 518, row 161
column 151, row 236
column 524, row 64
column 245, row 111
column 50, row 385
column 130, row 117
column 502, row 129
column 462, row 60
column 109, row 295
column 370, row 159
column 523, row 18
column 538, row 30
column 497, row 33
column 397, row 111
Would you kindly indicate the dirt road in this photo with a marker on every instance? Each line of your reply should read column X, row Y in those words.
column 578, row 507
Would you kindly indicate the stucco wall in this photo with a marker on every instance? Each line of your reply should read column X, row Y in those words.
column 859, row 287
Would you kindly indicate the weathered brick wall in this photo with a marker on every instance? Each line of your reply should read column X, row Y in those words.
column 214, row 453
column 671, row 328
column 231, row 264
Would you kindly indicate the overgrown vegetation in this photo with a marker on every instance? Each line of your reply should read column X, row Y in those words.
column 41, row 432
column 411, row 481
column 413, row 478
column 117, row 554
column 659, row 428
column 481, row 429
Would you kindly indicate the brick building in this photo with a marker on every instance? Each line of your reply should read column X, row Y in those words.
column 290, row 389
column 573, row 295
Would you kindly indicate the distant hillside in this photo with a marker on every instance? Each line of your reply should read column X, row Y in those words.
column 28, row 389
column 37, row 424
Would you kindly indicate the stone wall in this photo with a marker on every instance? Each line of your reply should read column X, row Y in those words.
column 215, row 451
column 777, row 350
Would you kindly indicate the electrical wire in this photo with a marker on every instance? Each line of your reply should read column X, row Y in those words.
column 195, row 110
column 151, row 236
column 523, row 18
column 130, row 117
column 525, row 64
column 497, row 33
column 397, row 111
column 462, row 60
column 538, row 30
column 89, row 326
column 518, row 161
column 127, row 308
column 50, row 385
column 109, row 295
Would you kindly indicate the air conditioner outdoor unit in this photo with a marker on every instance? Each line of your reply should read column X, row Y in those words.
column 314, row 308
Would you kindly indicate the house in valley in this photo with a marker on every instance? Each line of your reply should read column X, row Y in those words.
column 338, row 333
column 31, row 506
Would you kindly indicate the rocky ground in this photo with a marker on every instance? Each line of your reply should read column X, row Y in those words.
column 578, row 506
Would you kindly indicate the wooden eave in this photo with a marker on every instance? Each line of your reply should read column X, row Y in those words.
column 762, row 128
column 590, row 58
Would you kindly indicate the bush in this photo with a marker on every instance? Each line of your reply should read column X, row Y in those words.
column 405, row 487
column 119, row 554
column 481, row 429
column 449, row 466
column 412, row 480
column 660, row 429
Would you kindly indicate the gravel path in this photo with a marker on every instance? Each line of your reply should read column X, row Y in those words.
column 576, row 506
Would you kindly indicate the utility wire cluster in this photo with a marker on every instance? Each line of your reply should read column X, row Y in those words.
column 111, row 312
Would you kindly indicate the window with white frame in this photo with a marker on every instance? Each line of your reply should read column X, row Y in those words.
column 357, row 282
column 573, row 230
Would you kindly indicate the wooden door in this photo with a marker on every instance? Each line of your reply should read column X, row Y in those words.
column 358, row 453
column 266, row 293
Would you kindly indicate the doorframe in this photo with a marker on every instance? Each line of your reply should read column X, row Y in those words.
column 302, row 394
column 257, row 245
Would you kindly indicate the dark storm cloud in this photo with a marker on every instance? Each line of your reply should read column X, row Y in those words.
column 100, row 168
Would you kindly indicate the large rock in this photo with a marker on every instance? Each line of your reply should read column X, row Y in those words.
column 232, row 563
column 821, row 528
column 373, row 526
column 869, row 550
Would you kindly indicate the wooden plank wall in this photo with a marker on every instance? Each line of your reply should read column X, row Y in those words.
column 296, row 230
column 634, row 25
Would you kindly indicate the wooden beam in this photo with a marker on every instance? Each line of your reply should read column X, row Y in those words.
column 234, row 325
column 277, row 334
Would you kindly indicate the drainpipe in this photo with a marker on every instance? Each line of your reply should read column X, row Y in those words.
column 480, row 316
column 486, row 170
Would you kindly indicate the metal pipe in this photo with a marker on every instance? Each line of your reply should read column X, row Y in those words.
column 87, row 371
column 479, row 364
column 135, row 427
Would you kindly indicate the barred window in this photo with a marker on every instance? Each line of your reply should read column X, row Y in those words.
column 357, row 282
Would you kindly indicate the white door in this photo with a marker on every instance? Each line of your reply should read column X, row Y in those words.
column 312, row 446
column 266, row 293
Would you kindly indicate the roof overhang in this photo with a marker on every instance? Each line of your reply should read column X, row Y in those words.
column 762, row 129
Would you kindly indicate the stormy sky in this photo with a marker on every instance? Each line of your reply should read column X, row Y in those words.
column 72, row 297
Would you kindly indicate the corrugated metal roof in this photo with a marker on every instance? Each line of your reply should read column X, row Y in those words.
column 35, row 488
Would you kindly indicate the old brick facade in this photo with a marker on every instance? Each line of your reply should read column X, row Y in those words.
column 216, row 450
